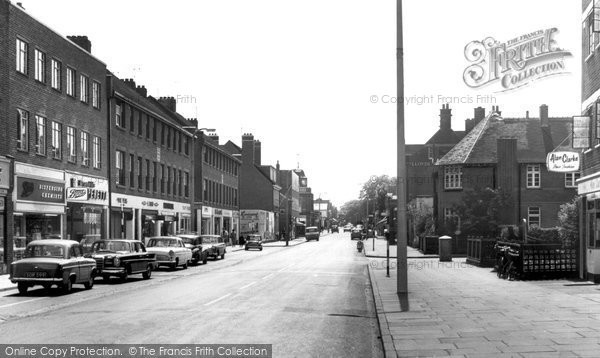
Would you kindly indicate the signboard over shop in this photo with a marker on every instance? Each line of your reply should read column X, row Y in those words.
column 563, row 162
column 40, row 190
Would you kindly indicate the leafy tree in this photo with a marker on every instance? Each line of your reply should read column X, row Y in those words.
column 375, row 191
column 568, row 219
column 480, row 211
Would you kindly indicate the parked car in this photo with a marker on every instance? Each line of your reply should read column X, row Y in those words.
column 122, row 258
column 348, row 228
column 356, row 234
column 170, row 251
column 334, row 228
column 312, row 233
column 53, row 262
column 87, row 242
column 217, row 245
column 200, row 250
column 253, row 241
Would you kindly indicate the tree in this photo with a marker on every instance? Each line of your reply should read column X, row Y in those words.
column 568, row 219
column 480, row 209
column 375, row 191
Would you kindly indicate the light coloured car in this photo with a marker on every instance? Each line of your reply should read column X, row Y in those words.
column 216, row 244
column 53, row 262
column 170, row 251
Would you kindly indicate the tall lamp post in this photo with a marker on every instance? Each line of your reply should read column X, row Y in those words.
column 195, row 134
column 401, row 165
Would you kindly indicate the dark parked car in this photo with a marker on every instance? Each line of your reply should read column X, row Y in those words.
column 253, row 242
column 356, row 234
column 335, row 228
column 53, row 262
column 200, row 250
column 122, row 258
column 312, row 233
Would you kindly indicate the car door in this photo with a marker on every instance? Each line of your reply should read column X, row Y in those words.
column 75, row 262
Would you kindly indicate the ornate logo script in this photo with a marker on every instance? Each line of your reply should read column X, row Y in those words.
column 515, row 63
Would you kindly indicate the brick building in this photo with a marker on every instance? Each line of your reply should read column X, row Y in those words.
column 150, row 163
column 589, row 184
column 507, row 153
column 259, row 194
column 289, row 206
column 306, row 200
column 53, row 135
column 216, row 198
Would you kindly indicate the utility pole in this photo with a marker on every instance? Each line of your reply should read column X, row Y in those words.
column 401, row 242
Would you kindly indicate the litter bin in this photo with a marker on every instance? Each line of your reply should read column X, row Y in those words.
column 445, row 248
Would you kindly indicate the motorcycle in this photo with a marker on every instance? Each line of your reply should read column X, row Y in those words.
column 359, row 246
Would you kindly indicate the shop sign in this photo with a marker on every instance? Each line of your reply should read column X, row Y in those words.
column 40, row 190
column 206, row 211
column 588, row 186
column 85, row 194
column 227, row 213
column 562, row 162
column 168, row 206
column 150, row 204
column 219, row 212
column 4, row 174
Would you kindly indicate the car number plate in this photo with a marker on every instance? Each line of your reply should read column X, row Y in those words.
column 36, row 274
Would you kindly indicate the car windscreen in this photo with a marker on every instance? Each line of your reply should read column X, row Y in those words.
column 163, row 243
column 45, row 251
column 189, row 240
column 112, row 246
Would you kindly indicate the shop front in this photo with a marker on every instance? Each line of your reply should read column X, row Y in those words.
column 87, row 207
column 139, row 218
column 206, row 222
column 39, row 211
column 589, row 189
column 4, row 242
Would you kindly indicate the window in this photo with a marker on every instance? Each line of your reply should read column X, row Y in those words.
column 235, row 197
column 56, row 74
column 97, row 152
column 205, row 189
column 533, row 216
column 175, row 182
column 452, row 177
column 140, row 171
column 22, row 56
column 186, row 146
column 84, row 140
column 84, row 90
column 169, row 137
column 95, row 94
column 175, row 145
column 40, row 135
column 56, row 140
column 451, row 218
column 119, row 115
column 162, row 134
column 71, row 145
column 147, row 174
column 40, row 66
column 186, row 184
column 132, row 115
column 70, row 82
column 570, row 179
column 147, row 126
column 22, row 130
column 154, row 126
column 162, row 178
column 154, row 176
column 168, row 181
column 140, row 126
column 120, row 165
column 590, row 36
column 131, row 170
column 533, row 176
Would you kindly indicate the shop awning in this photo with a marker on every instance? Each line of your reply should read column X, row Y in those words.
column 382, row 221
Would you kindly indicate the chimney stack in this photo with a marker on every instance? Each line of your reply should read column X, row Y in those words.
column 247, row 148
column 192, row 122
column 214, row 137
column 142, row 91
column 81, row 41
column 169, row 102
column 257, row 152
column 496, row 109
column 445, row 117
column 479, row 114
column 544, row 122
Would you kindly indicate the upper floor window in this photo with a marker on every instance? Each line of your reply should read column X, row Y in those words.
column 131, row 170
column 95, row 94
column 570, row 179
column 22, row 129
column 452, row 177
column 22, row 56
column 85, row 148
column 533, row 176
column 590, row 35
column 119, row 116
column 534, row 217
column 84, row 90
column 40, row 66
column 71, row 144
column 40, row 135
column 56, row 140
column 70, row 82
column 97, row 152
column 120, row 166
column 56, row 72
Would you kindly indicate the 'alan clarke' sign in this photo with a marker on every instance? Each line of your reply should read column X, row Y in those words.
column 563, row 162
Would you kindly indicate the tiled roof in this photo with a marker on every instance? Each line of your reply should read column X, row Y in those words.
column 446, row 137
column 533, row 143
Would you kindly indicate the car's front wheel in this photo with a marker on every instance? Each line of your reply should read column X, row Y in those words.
column 90, row 283
column 223, row 255
column 68, row 286
column 146, row 274
column 22, row 286
column 205, row 260
column 185, row 265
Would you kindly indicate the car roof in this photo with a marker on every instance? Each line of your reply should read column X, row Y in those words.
column 312, row 227
column 188, row 236
column 165, row 237
column 210, row 235
column 118, row 240
column 54, row 242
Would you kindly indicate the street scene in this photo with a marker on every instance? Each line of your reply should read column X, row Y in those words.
column 275, row 178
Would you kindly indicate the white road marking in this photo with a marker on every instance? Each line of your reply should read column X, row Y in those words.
column 18, row 303
column 269, row 275
column 325, row 273
column 248, row 285
column 217, row 300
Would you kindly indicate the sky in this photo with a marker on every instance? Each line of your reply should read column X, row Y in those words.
column 315, row 80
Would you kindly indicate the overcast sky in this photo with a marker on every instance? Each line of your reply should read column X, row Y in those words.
column 300, row 75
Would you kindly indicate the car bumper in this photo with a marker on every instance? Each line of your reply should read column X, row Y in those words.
column 112, row 270
column 33, row 280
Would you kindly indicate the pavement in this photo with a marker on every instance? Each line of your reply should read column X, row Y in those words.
column 455, row 309
column 381, row 250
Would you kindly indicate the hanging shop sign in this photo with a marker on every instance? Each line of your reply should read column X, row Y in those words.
column 563, row 162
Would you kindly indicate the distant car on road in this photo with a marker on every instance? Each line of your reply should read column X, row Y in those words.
column 312, row 233
column 122, row 258
column 356, row 234
column 53, row 262
column 200, row 249
column 253, row 242
column 170, row 251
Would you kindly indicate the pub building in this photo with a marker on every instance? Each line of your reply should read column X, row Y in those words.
column 87, row 206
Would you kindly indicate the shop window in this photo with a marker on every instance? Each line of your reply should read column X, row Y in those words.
column 32, row 227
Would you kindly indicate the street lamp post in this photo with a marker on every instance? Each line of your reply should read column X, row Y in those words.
column 402, row 280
